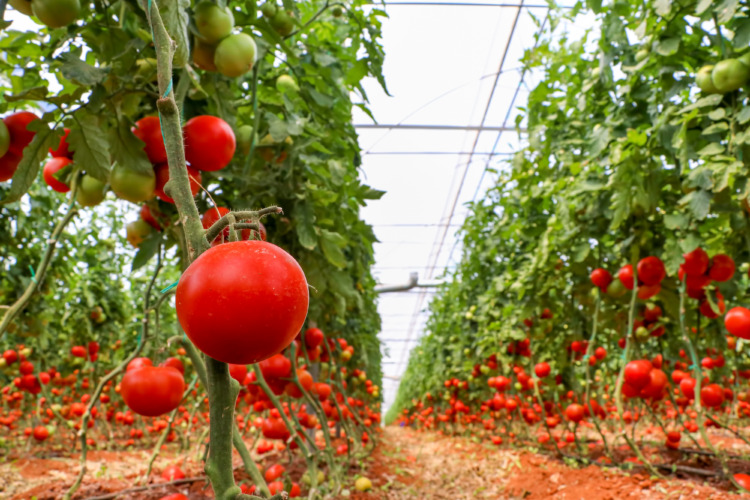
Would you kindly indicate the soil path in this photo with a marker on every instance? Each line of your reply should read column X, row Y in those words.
column 410, row 465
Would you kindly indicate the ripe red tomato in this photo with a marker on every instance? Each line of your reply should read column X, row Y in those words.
column 708, row 311
column 651, row 271
column 625, row 275
column 149, row 218
column 148, row 130
column 743, row 480
column 542, row 369
column 238, row 372
column 162, row 176
column 50, row 168
column 172, row 472
column 322, row 390
column 63, row 149
column 174, row 363
column 601, row 277
column 712, row 395
column 274, row 428
column 656, row 384
column 313, row 338
column 20, row 136
column 175, row 496
column 696, row 262
column 216, row 292
column 40, row 433
column 305, row 380
column 574, row 412
column 274, row 472
column 78, row 351
column 737, row 322
column 138, row 363
column 277, row 366
column 687, row 387
column 645, row 292
column 600, row 353
column 8, row 165
column 209, row 143
column 10, row 356
column 152, row 391
column 637, row 373
column 722, row 268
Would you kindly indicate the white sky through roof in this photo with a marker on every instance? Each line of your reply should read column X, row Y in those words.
column 441, row 67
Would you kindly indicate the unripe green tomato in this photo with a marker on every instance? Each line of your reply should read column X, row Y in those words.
column 268, row 9
column 244, row 138
column 729, row 75
column 453, row 339
column 641, row 55
column 596, row 73
column 70, row 424
column 470, row 378
column 484, row 369
column 23, row 6
column 203, row 55
column 4, row 138
column 146, row 70
column 26, row 351
column 467, row 351
column 235, row 55
column 616, row 289
column 56, row 13
column 131, row 185
column 337, row 11
column 91, row 191
column 363, row 484
column 704, row 81
column 213, row 22
column 518, row 386
column 641, row 333
column 282, row 23
column 449, row 358
column 3, row 363
column 285, row 83
column 446, row 397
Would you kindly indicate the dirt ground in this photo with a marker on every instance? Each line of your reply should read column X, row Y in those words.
column 405, row 465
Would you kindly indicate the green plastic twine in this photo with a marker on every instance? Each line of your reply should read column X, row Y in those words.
column 33, row 274
column 170, row 287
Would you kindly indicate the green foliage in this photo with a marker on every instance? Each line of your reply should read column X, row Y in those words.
column 625, row 158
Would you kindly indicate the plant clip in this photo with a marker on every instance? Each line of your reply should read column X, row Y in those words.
column 170, row 287
column 33, row 274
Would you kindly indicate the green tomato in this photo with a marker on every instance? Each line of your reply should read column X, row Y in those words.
column 137, row 231
column 518, row 386
column 363, row 484
column 268, row 10
column 641, row 55
column 616, row 289
column 337, row 11
column 23, row 6
column 283, row 23
column 131, row 185
column 467, row 351
column 56, row 13
column 91, row 191
column 484, row 369
column 285, row 83
column 213, row 22
column 729, row 75
column 235, row 55
column 704, row 81
column 244, row 138
column 641, row 333
column 4, row 138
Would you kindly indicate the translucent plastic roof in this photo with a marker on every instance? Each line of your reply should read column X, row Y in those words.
column 454, row 73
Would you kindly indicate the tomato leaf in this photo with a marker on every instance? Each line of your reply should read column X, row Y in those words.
column 305, row 226
column 79, row 71
column 90, row 147
column 146, row 250
column 127, row 149
column 668, row 46
column 33, row 156
column 332, row 243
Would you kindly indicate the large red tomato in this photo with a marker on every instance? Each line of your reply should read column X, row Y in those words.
column 625, row 275
column 52, row 167
column 148, row 130
column 209, row 143
column 243, row 301
column 63, row 149
column 313, row 338
column 696, row 262
column 712, row 395
column 20, row 136
column 637, row 373
column 651, row 271
column 737, row 322
column 162, row 176
column 152, row 391
column 575, row 412
column 277, row 366
column 600, row 277
column 722, row 267
column 238, row 372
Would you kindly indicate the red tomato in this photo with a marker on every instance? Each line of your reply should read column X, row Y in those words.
column 78, row 351
column 175, row 496
column 743, row 480
column 712, row 395
column 238, row 372
column 172, row 362
column 10, row 356
column 722, row 268
column 651, row 271
column 574, row 412
column 50, row 168
column 652, row 313
column 637, row 373
column 542, row 369
column 322, row 390
column 708, row 311
column 601, row 277
column 26, row 368
column 645, row 292
column 8, row 166
column 148, row 130
column 305, row 380
column 275, row 487
column 656, row 384
column 216, row 292
column 62, row 149
column 600, row 353
column 40, row 433
column 696, row 262
column 625, row 275
column 687, row 387
column 209, row 143
column 152, row 391
column 20, row 136
column 737, row 322
column 277, row 366
column 313, row 338
column 274, row 428
column 172, row 472
column 138, row 363
column 274, row 472
column 162, row 176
